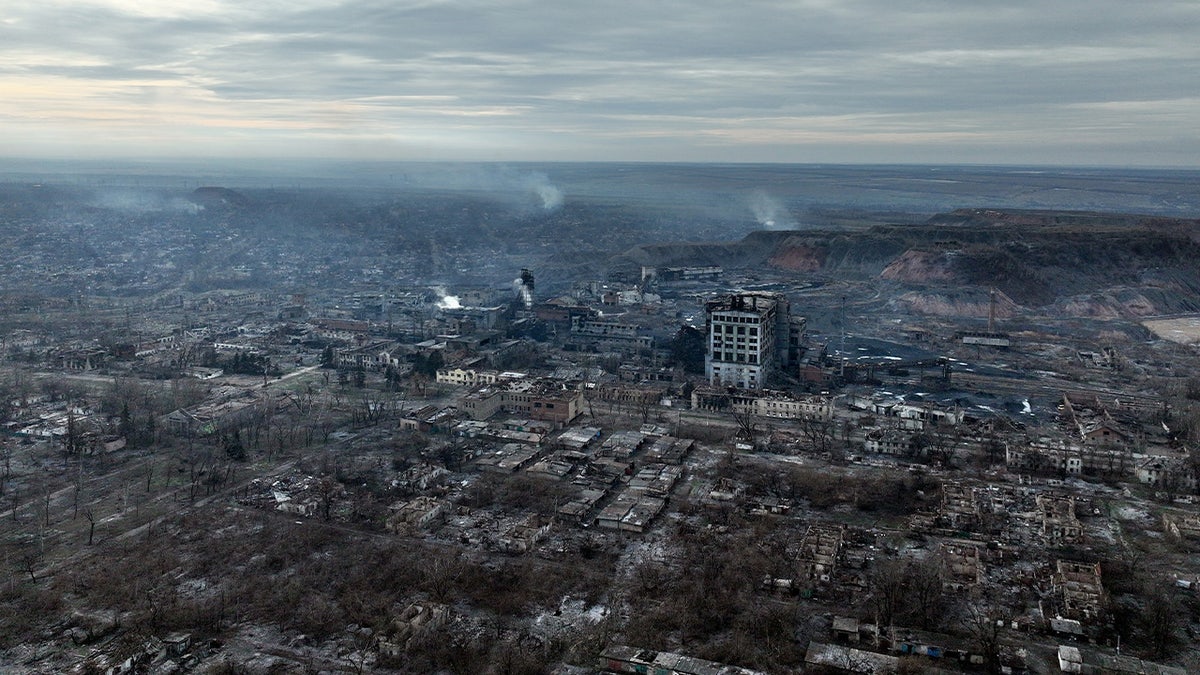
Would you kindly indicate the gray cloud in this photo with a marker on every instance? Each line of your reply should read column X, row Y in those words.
column 800, row 81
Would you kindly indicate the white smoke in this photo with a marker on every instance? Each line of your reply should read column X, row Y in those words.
column 140, row 201
column 521, row 189
column 522, row 291
column 540, row 185
column 770, row 213
column 445, row 300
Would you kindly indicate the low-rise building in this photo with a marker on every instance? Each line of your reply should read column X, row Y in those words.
column 656, row 480
column 1059, row 524
column 963, row 565
column 417, row 514
column 1168, row 473
column 607, row 334
column 959, row 509
column 1078, row 589
column 509, row 458
column 467, row 377
column 211, row 417
column 762, row 402
column 376, row 356
column 415, row 621
column 1181, row 526
column 1074, row 659
column 890, row 442
column 819, row 552
column 669, row 450
column 579, row 438
column 522, row 537
column 631, row 511
column 622, row 659
column 537, row 399
column 845, row 659
column 1069, row 458
column 344, row 330
column 623, row 444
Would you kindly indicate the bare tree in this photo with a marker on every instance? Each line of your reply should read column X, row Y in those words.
column 925, row 581
column 940, row 448
column 644, row 407
column 817, row 432
column 374, row 406
column 747, row 429
column 983, row 623
column 993, row 448
column 91, row 518
column 6, row 460
column 46, row 504
column 328, row 488
column 442, row 575
column 886, row 581
column 29, row 563
column 1161, row 621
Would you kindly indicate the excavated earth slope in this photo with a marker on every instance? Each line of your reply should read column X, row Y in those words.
column 1050, row 263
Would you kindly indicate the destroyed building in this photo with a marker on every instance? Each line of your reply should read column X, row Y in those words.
column 537, row 399
column 749, row 336
column 763, row 403
column 1078, row 590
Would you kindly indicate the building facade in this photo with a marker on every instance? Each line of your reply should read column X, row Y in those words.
column 535, row 399
column 749, row 335
column 763, row 403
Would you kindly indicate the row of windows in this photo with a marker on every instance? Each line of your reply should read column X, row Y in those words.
column 741, row 330
column 740, row 357
column 753, row 377
column 729, row 344
column 730, row 318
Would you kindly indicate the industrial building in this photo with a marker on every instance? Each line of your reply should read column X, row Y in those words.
column 749, row 336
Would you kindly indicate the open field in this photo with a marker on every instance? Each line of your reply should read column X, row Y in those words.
column 1184, row 329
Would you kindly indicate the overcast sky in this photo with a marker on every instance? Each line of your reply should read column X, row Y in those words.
column 1113, row 82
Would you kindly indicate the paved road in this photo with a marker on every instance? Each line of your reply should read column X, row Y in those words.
column 294, row 373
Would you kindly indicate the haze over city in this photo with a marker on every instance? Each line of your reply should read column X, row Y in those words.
column 807, row 337
column 1076, row 82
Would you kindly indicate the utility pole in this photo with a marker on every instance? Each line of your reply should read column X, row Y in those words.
column 992, row 312
column 842, row 347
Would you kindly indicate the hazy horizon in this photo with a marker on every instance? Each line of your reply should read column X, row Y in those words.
column 775, row 195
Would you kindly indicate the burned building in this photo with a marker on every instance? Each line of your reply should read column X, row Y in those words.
column 819, row 551
column 963, row 565
column 763, row 403
column 749, row 336
column 959, row 510
column 536, row 399
column 1059, row 524
column 1078, row 590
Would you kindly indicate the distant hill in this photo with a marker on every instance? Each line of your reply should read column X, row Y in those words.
column 210, row 197
column 1066, row 263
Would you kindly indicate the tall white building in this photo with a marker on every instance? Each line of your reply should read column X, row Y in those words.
column 749, row 335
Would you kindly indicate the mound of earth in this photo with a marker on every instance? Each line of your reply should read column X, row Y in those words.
column 1060, row 263
column 210, row 197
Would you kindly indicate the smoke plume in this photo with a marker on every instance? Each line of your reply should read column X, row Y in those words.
column 770, row 213
column 445, row 300
column 141, row 201
column 521, row 189
column 523, row 288
column 541, row 186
